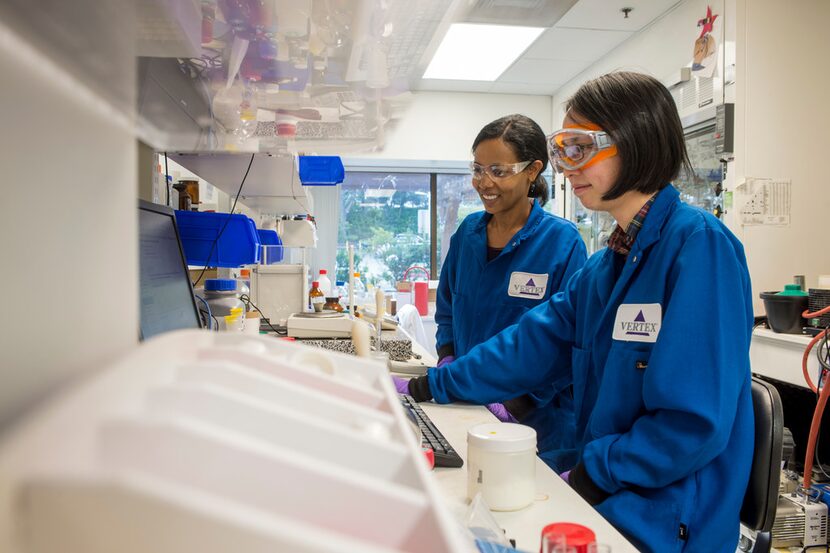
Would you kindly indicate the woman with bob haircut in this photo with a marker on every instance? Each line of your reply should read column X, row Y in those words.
column 519, row 256
column 653, row 333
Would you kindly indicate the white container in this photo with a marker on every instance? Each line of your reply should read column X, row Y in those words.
column 501, row 464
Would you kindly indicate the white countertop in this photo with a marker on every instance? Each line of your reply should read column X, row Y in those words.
column 555, row 500
column 779, row 356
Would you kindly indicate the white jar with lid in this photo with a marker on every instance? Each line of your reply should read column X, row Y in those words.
column 501, row 464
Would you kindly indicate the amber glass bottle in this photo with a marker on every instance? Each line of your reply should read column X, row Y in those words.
column 316, row 297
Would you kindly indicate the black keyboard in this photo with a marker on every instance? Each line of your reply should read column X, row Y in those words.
column 431, row 437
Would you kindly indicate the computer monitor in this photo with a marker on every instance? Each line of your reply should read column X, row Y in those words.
column 167, row 301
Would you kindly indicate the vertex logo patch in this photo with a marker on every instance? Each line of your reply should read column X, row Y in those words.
column 527, row 285
column 638, row 322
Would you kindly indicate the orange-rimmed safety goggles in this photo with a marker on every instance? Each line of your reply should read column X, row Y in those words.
column 573, row 148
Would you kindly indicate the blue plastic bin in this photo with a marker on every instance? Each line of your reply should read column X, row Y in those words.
column 271, row 254
column 238, row 245
column 321, row 170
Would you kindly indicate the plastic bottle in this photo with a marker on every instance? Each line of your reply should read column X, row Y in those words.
column 172, row 193
column 243, row 283
column 316, row 297
column 236, row 320
column 221, row 295
column 325, row 283
column 359, row 290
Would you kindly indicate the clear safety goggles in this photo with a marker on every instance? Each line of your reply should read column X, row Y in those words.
column 497, row 172
column 575, row 148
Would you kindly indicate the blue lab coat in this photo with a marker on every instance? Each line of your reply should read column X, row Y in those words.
column 664, row 411
column 477, row 299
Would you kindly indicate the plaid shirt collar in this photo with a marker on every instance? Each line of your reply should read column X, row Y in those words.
column 621, row 240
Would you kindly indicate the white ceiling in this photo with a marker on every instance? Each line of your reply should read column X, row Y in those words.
column 588, row 31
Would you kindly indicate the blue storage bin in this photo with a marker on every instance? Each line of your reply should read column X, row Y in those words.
column 273, row 253
column 321, row 170
column 238, row 245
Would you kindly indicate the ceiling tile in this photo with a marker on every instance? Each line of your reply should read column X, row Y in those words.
column 607, row 14
column 523, row 88
column 586, row 33
column 454, row 86
column 546, row 72
column 575, row 44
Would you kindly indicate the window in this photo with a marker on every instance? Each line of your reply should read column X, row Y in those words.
column 455, row 199
column 703, row 187
column 386, row 216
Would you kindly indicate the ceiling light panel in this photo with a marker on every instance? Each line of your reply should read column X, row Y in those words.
column 479, row 52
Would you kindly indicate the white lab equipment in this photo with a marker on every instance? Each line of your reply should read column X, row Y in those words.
column 325, row 324
column 299, row 233
column 210, row 442
column 280, row 290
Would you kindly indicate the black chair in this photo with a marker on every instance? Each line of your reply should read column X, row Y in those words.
column 761, row 499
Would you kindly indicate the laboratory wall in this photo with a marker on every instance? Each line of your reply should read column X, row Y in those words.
column 779, row 93
column 660, row 49
column 68, row 228
column 782, row 83
column 441, row 126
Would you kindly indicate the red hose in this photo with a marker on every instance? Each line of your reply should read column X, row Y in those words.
column 822, row 399
column 811, row 442
column 819, row 313
column 806, row 356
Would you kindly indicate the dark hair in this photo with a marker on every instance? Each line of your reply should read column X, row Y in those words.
column 525, row 137
column 639, row 114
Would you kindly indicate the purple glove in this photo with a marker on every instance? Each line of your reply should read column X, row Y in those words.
column 446, row 360
column 566, row 476
column 401, row 384
column 501, row 412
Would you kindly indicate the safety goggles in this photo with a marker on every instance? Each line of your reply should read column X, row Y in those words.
column 497, row 172
column 575, row 148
